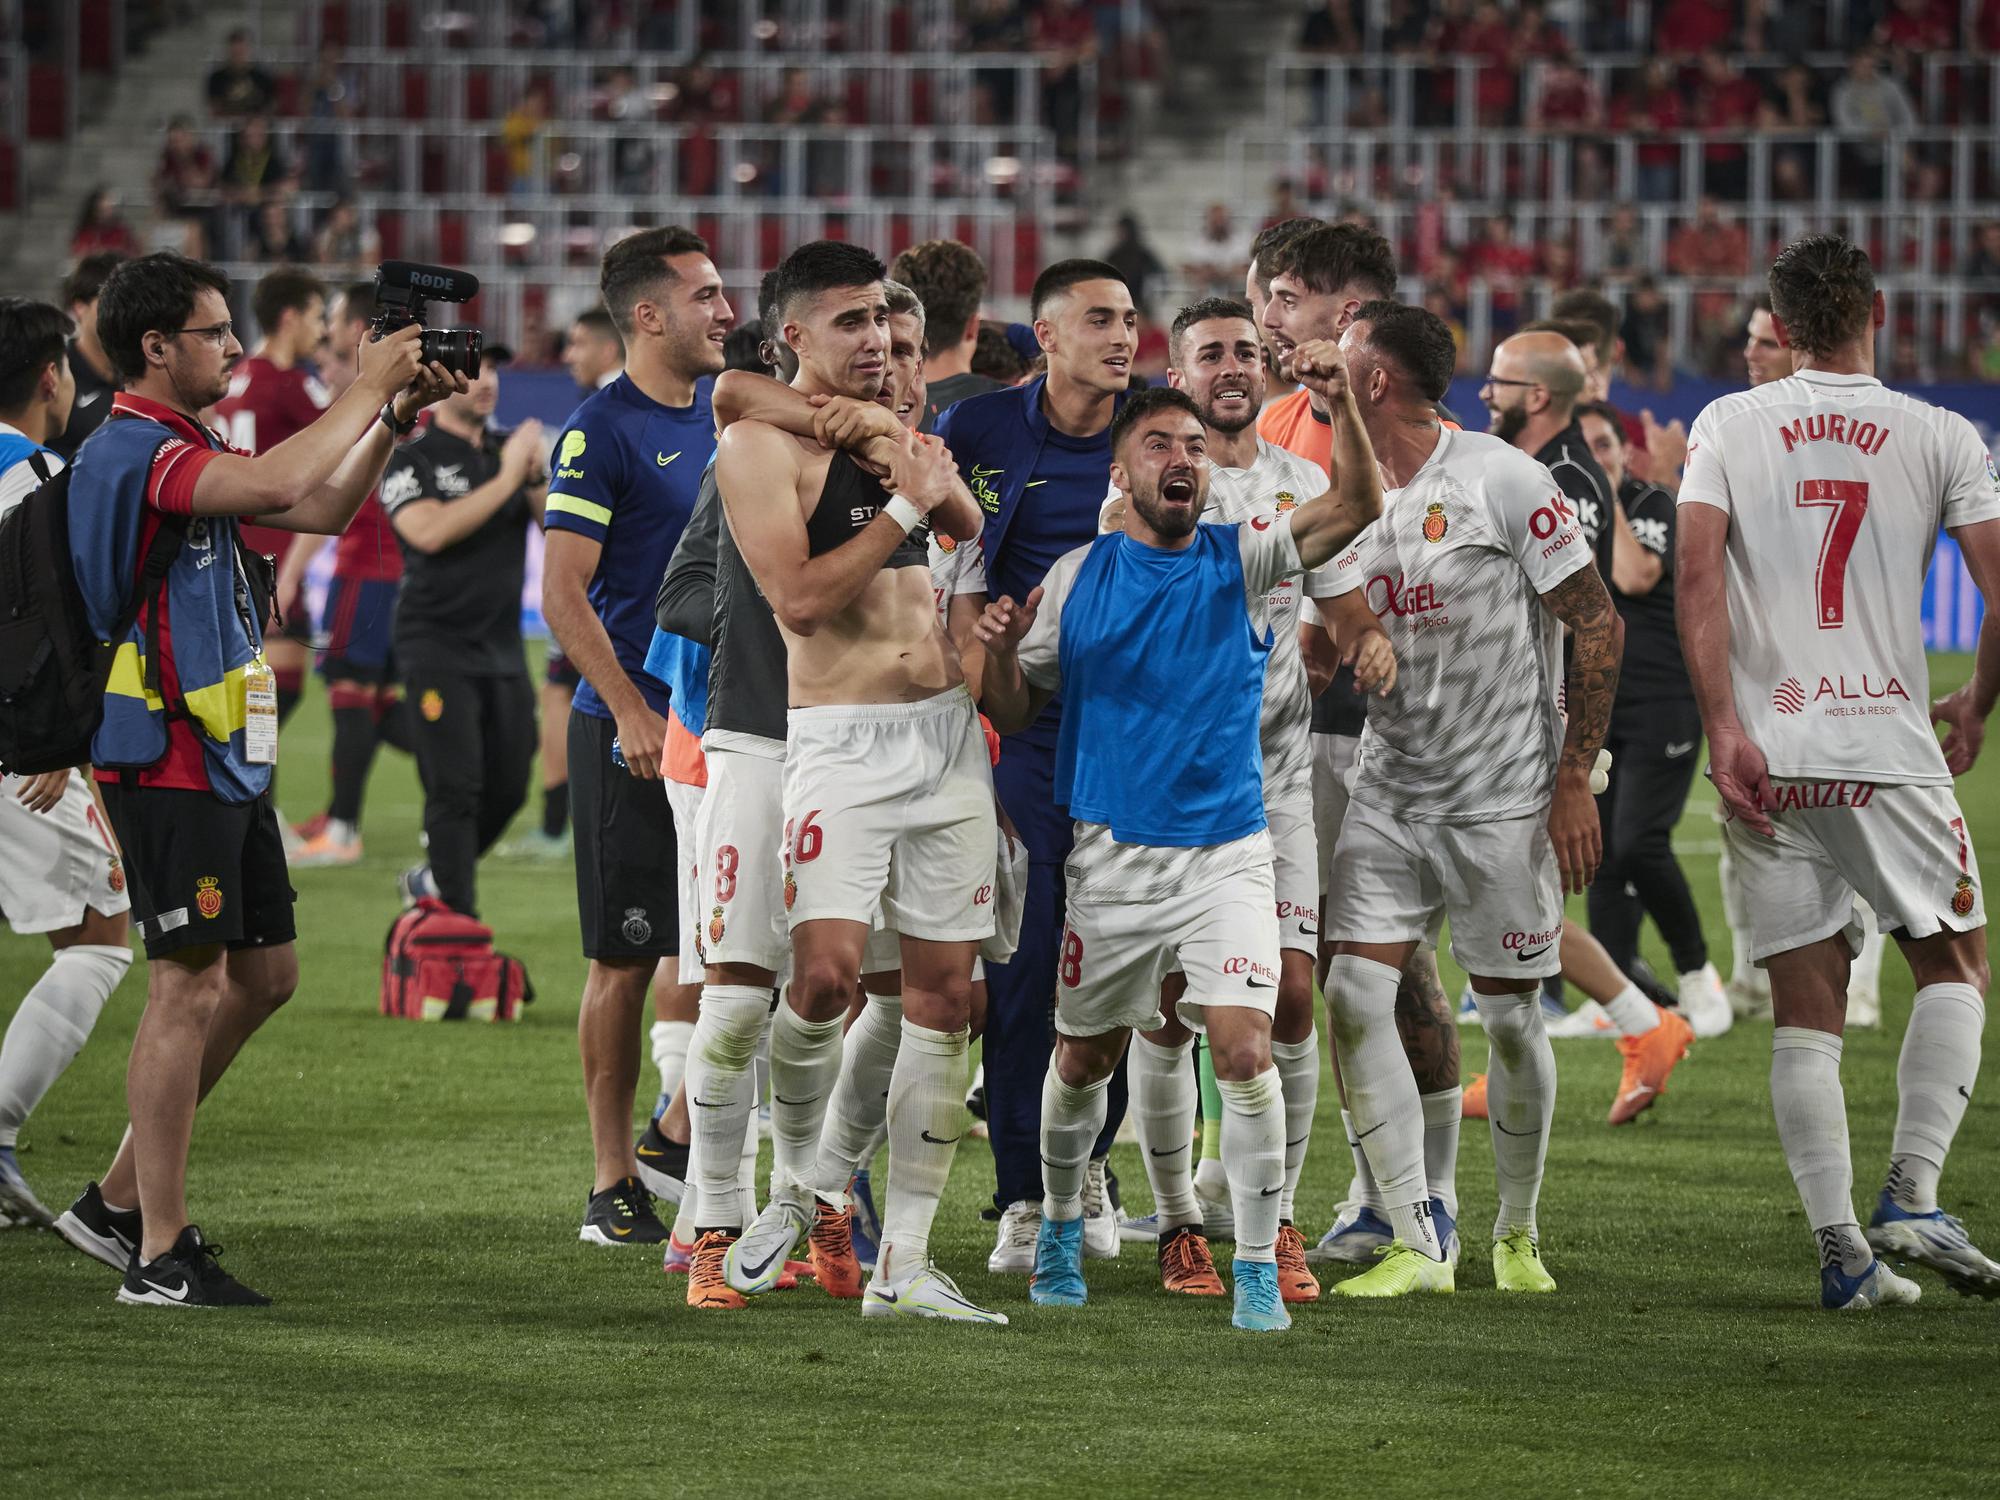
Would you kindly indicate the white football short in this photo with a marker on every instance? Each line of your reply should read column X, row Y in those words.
column 1333, row 760
column 1295, row 875
column 1010, row 897
column 1496, row 881
column 685, row 803
column 889, row 812
column 1903, row 849
column 739, row 838
column 1223, row 935
column 54, row 865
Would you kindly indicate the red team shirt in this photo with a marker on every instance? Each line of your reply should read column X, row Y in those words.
column 266, row 405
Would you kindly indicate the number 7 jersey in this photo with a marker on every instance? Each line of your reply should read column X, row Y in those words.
column 1835, row 488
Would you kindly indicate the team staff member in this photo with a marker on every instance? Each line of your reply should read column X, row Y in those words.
column 627, row 470
column 96, row 380
column 184, row 753
column 1655, row 732
column 462, row 499
column 356, row 625
column 273, row 394
column 594, row 355
column 1038, row 461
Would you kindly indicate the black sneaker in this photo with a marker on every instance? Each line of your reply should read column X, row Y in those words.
column 663, row 1164
column 99, row 1232
column 188, row 1275
column 622, row 1215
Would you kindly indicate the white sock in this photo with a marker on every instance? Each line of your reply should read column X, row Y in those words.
column 51, row 1026
column 1253, row 1157
column 1520, row 1102
column 1163, row 1101
column 1934, row 1078
column 1806, row 1097
column 1631, row 1012
column 1298, row 1075
column 1442, row 1113
column 1387, row 1118
column 721, row 1097
column 746, row 1162
column 805, row 1061
column 1071, row 1120
column 926, row 1119
column 860, row 1099
column 1361, row 1189
column 670, row 1051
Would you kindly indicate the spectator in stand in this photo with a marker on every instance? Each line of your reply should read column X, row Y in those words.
column 1653, row 107
column 336, row 95
column 1726, row 105
column 521, row 133
column 1686, row 28
column 1215, row 260
column 273, row 239
column 187, row 179
column 1983, row 263
column 1064, row 36
column 1284, row 203
column 1919, row 26
column 100, row 225
column 1492, row 39
column 1622, row 252
column 1715, row 252
column 702, row 95
column 631, row 155
column 796, row 101
column 1330, row 30
column 96, row 377
column 1505, row 265
column 256, row 168
column 342, row 241
column 995, row 26
column 993, row 357
column 239, row 87
column 1137, row 263
column 1870, row 104
column 1649, row 355
column 1566, row 102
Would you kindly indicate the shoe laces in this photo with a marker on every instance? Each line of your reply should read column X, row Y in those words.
column 1186, row 1254
column 1023, row 1224
column 833, row 1231
column 1093, row 1190
column 630, row 1198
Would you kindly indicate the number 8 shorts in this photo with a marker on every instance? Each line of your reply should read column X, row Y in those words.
column 889, row 811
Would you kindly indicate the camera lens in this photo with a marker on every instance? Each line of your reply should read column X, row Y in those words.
column 457, row 349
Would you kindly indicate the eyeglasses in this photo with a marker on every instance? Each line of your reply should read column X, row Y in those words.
column 1493, row 380
column 218, row 334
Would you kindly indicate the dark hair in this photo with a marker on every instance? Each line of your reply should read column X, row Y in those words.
column 1823, row 291
column 770, row 296
column 1334, row 256
column 86, row 279
column 1272, row 238
column 1583, row 305
column 821, row 266
column 154, row 294
column 86, row 217
column 1604, row 412
column 742, row 348
column 1582, row 332
column 31, row 334
column 281, row 290
column 637, row 266
column 1761, row 302
column 950, row 280
column 1145, row 404
column 601, row 323
column 357, row 302
column 1414, row 339
column 1201, row 312
column 994, row 355
column 1065, row 274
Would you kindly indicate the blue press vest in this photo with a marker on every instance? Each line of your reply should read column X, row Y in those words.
column 1162, row 684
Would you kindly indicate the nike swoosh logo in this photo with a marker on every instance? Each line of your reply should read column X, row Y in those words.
column 1529, row 955
column 777, row 1098
column 926, row 1135
column 85, row 401
column 1366, row 1133
column 1299, row 1142
column 754, row 1272
column 1032, row 483
column 663, row 459
column 170, row 1293
column 707, row 1103
column 621, row 1233
column 885, row 1295
column 1171, row 1151
column 1517, row 1133
column 649, row 1151
column 1675, row 752
column 1305, row 931
column 1260, row 984
column 1271, row 1192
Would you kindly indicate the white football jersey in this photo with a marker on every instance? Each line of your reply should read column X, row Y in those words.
column 21, row 480
column 1277, row 482
column 956, row 568
column 1835, row 488
column 1455, row 570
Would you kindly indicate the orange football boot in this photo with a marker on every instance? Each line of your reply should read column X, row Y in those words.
column 830, row 1247
column 1474, row 1105
column 707, row 1286
column 1185, row 1264
column 1649, row 1058
column 1296, row 1282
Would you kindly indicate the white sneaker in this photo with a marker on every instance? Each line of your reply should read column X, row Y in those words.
column 1100, row 1220
column 1588, row 1019
column 1703, row 1002
column 1749, row 992
column 757, row 1259
column 1864, row 1008
column 1218, row 1214
column 925, row 1293
column 1014, row 1247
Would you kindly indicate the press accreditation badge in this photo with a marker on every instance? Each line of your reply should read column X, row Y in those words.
column 260, row 713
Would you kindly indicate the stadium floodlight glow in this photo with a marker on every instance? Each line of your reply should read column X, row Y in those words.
column 517, row 233
column 746, row 172
column 1003, row 169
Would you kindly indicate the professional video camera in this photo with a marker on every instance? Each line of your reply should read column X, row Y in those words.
column 402, row 288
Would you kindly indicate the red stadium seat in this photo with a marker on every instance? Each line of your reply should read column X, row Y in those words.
column 451, row 245
column 478, row 94
column 416, row 94
column 48, row 98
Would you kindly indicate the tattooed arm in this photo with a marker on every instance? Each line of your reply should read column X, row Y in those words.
column 1597, row 641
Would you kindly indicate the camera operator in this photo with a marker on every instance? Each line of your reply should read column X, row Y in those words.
column 189, row 735
column 462, row 498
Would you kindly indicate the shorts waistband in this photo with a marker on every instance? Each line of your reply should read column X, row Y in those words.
column 951, row 700
column 727, row 741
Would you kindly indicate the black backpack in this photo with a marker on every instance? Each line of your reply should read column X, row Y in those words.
column 53, row 668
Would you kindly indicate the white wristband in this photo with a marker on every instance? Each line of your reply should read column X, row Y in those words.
column 904, row 513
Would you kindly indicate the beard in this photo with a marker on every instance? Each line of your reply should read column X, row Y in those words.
column 1169, row 524
column 1508, row 421
column 1231, row 425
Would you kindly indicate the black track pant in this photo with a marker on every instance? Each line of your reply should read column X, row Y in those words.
column 1655, row 748
column 474, row 741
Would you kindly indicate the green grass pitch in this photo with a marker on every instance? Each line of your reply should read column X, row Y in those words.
column 410, row 1195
